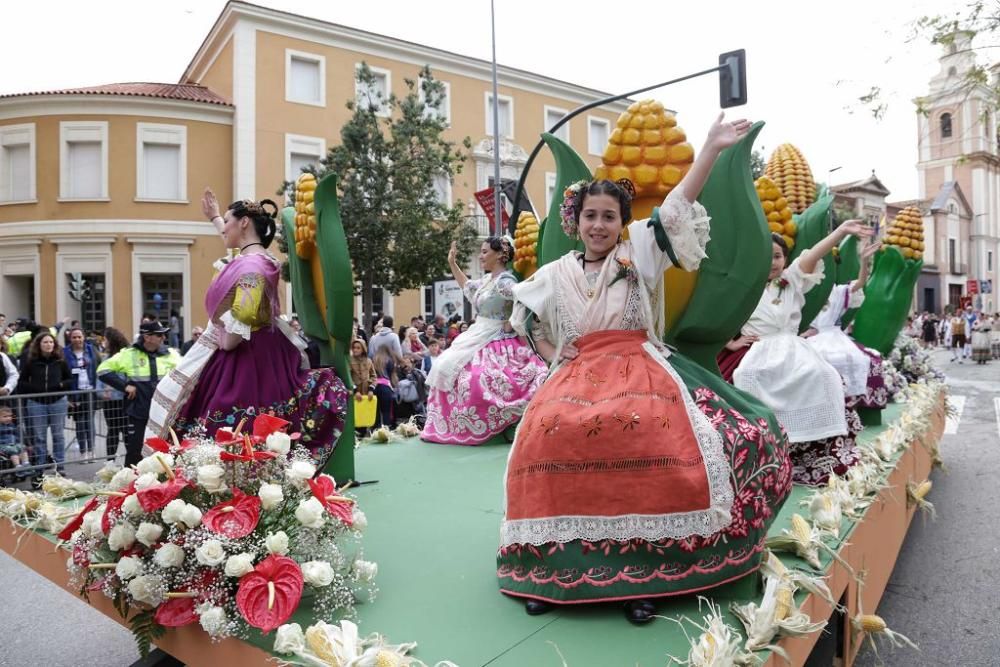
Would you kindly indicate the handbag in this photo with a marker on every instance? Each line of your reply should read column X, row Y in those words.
column 364, row 411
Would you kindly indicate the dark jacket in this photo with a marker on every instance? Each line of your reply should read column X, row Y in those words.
column 44, row 375
column 90, row 359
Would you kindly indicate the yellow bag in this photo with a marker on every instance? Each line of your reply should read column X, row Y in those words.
column 364, row 411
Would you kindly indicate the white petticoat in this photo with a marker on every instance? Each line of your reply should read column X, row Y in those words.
column 804, row 391
column 840, row 352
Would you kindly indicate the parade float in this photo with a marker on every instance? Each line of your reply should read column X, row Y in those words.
column 196, row 524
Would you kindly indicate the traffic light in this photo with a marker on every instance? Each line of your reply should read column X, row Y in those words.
column 79, row 289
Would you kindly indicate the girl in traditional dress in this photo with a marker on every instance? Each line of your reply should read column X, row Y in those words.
column 249, row 361
column 635, row 473
column 482, row 383
column 770, row 361
column 860, row 367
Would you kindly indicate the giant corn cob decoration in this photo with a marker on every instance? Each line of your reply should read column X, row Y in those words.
column 790, row 171
column 526, row 236
column 323, row 288
column 776, row 210
column 888, row 293
column 907, row 233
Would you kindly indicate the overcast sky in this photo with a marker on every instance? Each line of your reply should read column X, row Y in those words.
column 807, row 62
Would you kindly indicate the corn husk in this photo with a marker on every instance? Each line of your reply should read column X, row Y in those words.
column 718, row 645
column 775, row 616
column 873, row 626
column 824, row 510
column 916, row 495
column 408, row 429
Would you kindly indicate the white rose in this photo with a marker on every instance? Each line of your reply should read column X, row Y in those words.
column 149, row 533
column 128, row 567
column 121, row 536
column 277, row 543
column 151, row 464
column 360, row 520
column 172, row 512
column 270, row 495
column 210, row 553
column 131, row 506
column 300, row 471
column 279, row 443
column 310, row 513
column 289, row 639
column 191, row 516
column 210, row 478
column 238, row 565
column 317, row 573
column 146, row 480
column 169, row 555
column 212, row 619
column 146, row 588
column 366, row 570
column 122, row 479
column 92, row 523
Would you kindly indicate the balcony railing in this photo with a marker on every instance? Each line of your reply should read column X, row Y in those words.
column 481, row 224
column 957, row 269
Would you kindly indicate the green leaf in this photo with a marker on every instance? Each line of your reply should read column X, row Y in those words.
column 733, row 276
column 888, row 294
column 814, row 226
column 303, row 294
column 570, row 168
column 848, row 265
column 146, row 630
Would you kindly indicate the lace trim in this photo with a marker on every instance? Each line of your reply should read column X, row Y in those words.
column 687, row 225
column 567, row 324
column 234, row 326
column 632, row 319
column 675, row 526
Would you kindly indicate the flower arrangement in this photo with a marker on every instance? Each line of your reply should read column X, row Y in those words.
column 339, row 645
column 912, row 363
column 625, row 271
column 230, row 532
column 780, row 283
column 567, row 210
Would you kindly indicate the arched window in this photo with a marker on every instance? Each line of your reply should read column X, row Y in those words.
column 952, row 49
column 952, row 71
column 952, row 207
column 945, row 125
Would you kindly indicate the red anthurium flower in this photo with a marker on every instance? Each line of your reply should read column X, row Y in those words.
column 268, row 596
column 235, row 518
column 114, row 506
column 158, row 445
column 265, row 425
column 176, row 612
column 157, row 496
column 77, row 521
column 225, row 436
column 98, row 583
column 325, row 489
column 248, row 454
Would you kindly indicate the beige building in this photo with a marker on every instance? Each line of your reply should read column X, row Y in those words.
column 103, row 184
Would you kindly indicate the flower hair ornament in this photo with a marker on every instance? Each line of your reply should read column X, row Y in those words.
column 571, row 200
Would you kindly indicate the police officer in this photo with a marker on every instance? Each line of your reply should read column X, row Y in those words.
column 135, row 371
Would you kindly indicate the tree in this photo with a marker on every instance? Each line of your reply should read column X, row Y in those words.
column 757, row 164
column 390, row 153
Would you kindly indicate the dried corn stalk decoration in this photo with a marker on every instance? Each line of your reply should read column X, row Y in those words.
column 718, row 645
column 916, row 495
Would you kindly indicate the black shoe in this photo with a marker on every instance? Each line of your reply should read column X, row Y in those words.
column 639, row 612
column 536, row 607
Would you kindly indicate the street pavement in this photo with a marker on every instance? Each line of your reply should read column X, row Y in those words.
column 943, row 593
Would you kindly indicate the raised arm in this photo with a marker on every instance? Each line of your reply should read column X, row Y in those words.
column 811, row 257
column 721, row 135
column 456, row 271
column 866, row 254
column 210, row 207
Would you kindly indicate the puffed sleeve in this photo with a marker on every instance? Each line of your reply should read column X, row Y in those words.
column 856, row 298
column 531, row 305
column 470, row 289
column 505, row 286
column 250, row 309
column 675, row 234
column 800, row 281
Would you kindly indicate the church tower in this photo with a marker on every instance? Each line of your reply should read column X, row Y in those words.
column 959, row 183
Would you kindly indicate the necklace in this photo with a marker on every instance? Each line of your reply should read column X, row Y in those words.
column 584, row 261
column 251, row 244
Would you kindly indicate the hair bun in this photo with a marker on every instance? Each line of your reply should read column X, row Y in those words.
column 626, row 185
column 273, row 213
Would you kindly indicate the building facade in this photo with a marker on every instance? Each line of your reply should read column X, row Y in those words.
column 101, row 186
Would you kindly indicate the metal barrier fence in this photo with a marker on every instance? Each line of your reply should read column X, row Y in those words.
column 53, row 430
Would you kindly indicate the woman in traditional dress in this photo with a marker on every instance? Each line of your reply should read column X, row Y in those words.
column 995, row 336
column 770, row 361
column 981, row 348
column 249, row 361
column 860, row 367
column 481, row 384
column 635, row 473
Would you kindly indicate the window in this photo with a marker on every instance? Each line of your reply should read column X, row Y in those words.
column 444, row 110
column 952, row 71
column 161, row 162
column 442, row 187
column 598, row 130
column 505, row 111
column 945, row 125
column 375, row 96
column 302, row 151
column 550, row 190
column 989, row 260
column 305, row 78
column 952, row 256
column 17, row 163
column 162, row 293
column 91, row 297
column 552, row 116
column 83, row 160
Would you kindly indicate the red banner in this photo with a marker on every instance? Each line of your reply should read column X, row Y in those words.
column 972, row 286
column 485, row 199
